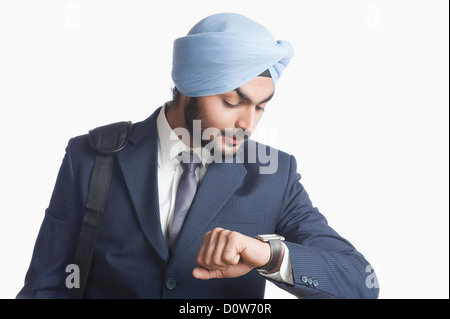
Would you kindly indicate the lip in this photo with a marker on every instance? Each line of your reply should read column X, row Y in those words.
column 233, row 140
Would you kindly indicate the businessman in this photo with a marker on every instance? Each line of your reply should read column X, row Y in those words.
column 196, row 209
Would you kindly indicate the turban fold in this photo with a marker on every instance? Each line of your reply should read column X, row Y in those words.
column 224, row 51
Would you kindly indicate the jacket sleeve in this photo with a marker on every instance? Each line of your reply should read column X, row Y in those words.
column 324, row 265
column 57, row 238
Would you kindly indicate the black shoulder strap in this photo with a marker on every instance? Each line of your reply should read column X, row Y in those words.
column 106, row 140
column 111, row 138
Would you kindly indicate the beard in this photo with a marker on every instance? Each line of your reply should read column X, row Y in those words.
column 191, row 113
column 215, row 142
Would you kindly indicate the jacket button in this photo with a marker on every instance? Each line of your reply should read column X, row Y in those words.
column 304, row 279
column 171, row 283
column 315, row 282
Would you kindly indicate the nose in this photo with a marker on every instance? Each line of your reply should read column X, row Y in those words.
column 247, row 119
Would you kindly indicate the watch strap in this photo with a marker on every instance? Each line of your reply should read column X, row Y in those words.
column 276, row 251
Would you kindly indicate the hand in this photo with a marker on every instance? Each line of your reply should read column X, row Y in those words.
column 229, row 254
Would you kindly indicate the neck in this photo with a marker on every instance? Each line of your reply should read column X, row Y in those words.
column 175, row 115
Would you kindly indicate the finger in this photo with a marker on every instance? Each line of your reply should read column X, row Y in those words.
column 231, row 252
column 210, row 254
column 215, row 259
column 203, row 248
column 215, row 246
column 205, row 274
column 223, row 250
column 230, row 256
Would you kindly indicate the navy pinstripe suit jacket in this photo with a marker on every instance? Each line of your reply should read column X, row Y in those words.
column 132, row 259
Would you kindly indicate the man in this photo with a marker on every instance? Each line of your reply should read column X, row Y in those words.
column 174, row 230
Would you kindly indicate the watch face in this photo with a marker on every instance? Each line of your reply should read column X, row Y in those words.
column 268, row 237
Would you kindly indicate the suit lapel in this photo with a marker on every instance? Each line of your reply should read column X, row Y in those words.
column 139, row 164
column 219, row 184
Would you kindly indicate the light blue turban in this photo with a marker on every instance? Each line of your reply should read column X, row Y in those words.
column 224, row 51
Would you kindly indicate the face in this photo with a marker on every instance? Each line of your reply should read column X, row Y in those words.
column 228, row 119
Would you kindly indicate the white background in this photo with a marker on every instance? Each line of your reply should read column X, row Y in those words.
column 363, row 107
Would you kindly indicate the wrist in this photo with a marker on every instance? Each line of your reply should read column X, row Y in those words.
column 276, row 252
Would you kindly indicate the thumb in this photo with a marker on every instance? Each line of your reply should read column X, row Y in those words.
column 205, row 274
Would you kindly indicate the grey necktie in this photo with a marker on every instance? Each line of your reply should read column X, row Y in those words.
column 187, row 187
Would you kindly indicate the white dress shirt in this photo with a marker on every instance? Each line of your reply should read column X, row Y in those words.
column 169, row 173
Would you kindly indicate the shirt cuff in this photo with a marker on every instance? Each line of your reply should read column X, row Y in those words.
column 285, row 273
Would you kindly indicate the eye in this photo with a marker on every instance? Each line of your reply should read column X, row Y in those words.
column 230, row 105
column 260, row 109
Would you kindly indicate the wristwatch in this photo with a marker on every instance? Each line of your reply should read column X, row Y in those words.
column 276, row 250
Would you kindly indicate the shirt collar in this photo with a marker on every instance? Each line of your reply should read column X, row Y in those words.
column 170, row 145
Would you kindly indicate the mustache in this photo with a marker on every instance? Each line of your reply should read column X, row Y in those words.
column 238, row 133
